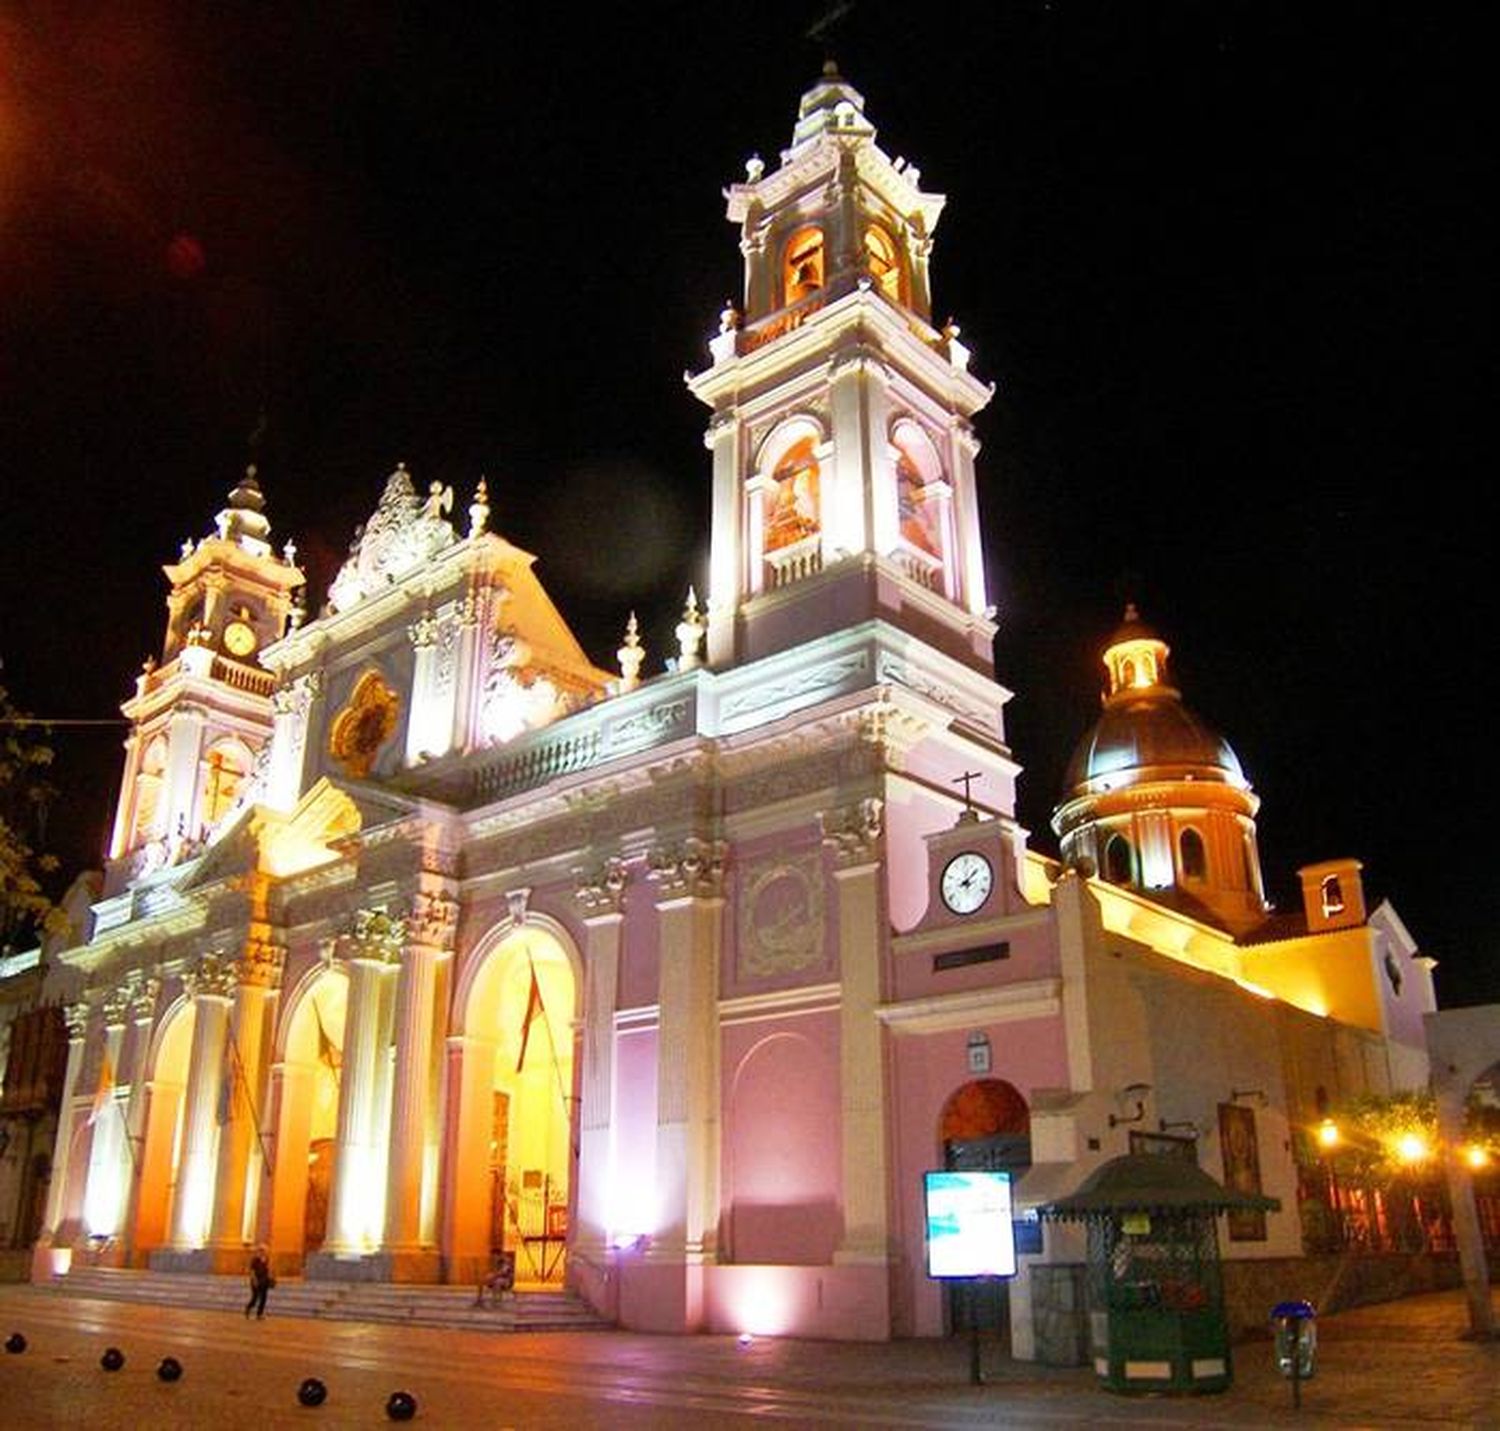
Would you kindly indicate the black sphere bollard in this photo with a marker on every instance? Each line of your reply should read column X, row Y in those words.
column 15, row 1342
column 170, row 1369
column 402, row 1406
column 312, row 1392
column 113, row 1359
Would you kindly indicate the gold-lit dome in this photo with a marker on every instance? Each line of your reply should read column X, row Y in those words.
column 1154, row 797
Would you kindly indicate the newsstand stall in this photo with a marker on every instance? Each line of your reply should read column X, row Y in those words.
column 1155, row 1286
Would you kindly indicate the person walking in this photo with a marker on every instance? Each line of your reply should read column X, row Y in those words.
column 261, row 1282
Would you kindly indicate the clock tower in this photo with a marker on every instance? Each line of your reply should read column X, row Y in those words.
column 202, row 715
column 843, row 450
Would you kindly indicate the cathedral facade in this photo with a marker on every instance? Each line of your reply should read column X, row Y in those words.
column 423, row 939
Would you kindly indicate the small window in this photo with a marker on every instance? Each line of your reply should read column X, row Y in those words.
column 1333, row 897
column 1194, row 857
column 802, row 267
column 1393, row 973
column 1119, row 860
column 1127, row 673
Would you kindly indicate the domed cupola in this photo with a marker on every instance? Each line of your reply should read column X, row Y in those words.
column 1154, row 798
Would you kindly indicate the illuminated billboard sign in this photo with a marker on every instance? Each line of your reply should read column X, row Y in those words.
column 969, row 1227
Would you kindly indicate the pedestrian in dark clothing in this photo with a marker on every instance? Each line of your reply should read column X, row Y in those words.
column 261, row 1282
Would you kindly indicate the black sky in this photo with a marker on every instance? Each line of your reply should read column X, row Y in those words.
column 1222, row 261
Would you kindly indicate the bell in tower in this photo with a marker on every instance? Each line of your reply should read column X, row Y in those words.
column 842, row 438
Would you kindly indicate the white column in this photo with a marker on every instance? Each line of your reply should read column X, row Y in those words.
column 601, row 902
column 142, row 1013
column 180, row 779
column 67, row 1124
column 845, row 514
column 108, row 1177
column 413, row 1112
column 963, row 448
column 357, row 1211
column 211, row 988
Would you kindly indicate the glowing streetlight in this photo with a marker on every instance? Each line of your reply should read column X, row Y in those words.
column 1328, row 1133
column 1411, row 1148
column 1476, row 1157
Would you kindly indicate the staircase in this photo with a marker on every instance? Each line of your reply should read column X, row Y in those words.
column 543, row 1310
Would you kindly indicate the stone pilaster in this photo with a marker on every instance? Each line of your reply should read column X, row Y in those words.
column 411, row 1182
column 854, row 835
column 601, row 902
column 54, row 1233
column 241, row 1159
column 689, row 879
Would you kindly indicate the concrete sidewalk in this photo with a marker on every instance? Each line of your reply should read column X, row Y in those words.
column 1393, row 1365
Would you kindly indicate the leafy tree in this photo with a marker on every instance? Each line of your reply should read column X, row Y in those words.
column 25, row 794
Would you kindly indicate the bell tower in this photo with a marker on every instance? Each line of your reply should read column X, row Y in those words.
column 201, row 717
column 842, row 438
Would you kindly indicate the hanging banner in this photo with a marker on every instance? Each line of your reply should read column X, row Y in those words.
column 970, row 1231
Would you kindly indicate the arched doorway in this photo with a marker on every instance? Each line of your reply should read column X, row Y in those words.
column 985, row 1127
column 308, row 1079
column 161, row 1148
column 516, row 1130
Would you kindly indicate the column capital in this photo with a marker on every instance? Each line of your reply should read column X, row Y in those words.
column 76, row 1017
column 377, row 937
column 115, row 1006
column 262, row 962
column 692, row 869
column 211, row 978
column 853, row 832
column 600, row 891
column 433, row 921
column 144, row 989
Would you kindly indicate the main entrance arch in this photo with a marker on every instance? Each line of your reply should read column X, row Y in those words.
column 514, row 1131
column 985, row 1127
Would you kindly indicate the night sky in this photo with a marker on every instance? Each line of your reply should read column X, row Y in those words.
column 1222, row 262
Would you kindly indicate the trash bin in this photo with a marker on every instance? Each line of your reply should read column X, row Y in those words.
column 1296, row 1330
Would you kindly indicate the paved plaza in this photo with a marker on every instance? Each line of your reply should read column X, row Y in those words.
column 1399, row 1364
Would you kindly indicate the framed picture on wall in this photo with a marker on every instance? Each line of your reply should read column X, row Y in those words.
column 1241, row 1151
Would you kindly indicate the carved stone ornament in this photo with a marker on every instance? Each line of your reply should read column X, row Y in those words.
column 364, row 725
column 516, row 901
column 423, row 631
column 377, row 936
column 403, row 534
column 262, row 963
column 115, row 1005
column 601, row 890
column 433, row 920
column 211, row 978
column 144, row 991
column 781, row 924
column 854, row 831
column 76, row 1016
column 695, row 867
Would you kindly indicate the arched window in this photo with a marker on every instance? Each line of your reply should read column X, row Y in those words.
column 802, row 264
column 1127, row 673
column 225, row 769
column 1119, row 860
column 792, row 499
column 148, row 789
column 1333, row 897
column 1194, row 857
column 884, row 263
column 917, row 465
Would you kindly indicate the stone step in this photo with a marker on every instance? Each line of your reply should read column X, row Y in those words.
column 527, row 1310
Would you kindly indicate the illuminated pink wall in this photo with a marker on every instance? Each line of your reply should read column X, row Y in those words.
column 781, row 1178
column 633, row 1203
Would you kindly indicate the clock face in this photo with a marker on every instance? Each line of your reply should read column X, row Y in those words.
column 966, row 883
column 239, row 639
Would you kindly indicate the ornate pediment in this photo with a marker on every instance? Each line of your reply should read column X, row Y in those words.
column 404, row 532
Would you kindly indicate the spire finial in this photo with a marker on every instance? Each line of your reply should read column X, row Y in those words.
column 690, row 633
column 479, row 509
column 631, row 655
